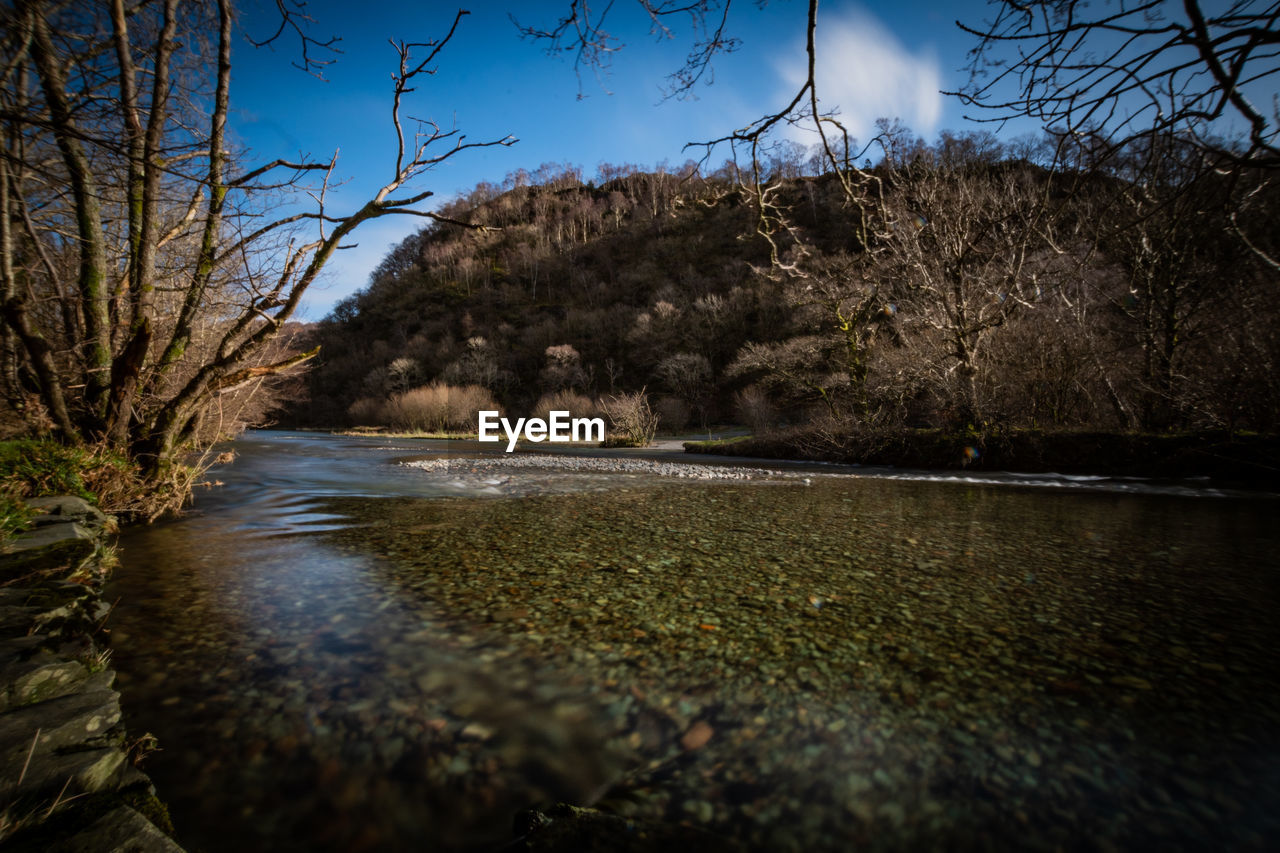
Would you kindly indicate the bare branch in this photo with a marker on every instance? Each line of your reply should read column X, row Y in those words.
column 293, row 17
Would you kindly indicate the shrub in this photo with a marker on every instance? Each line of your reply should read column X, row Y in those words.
column 424, row 409
column 633, row 422
column 466, row 403
column 367, row 411
column 577, row 405
column 439, row 408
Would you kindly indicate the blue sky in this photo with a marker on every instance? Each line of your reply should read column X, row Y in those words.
column 877, row 59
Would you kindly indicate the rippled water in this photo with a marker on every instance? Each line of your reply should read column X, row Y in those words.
column 876, row 661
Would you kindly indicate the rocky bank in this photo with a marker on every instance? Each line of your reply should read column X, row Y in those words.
column 67, row 777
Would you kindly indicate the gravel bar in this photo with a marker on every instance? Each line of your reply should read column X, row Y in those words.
column 600, row 465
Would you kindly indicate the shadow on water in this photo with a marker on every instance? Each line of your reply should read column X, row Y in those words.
column 854, row 661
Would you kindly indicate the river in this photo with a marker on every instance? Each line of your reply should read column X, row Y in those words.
column 340, row 652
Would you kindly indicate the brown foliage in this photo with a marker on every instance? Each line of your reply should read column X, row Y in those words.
column 439, row 408
column 577, row 405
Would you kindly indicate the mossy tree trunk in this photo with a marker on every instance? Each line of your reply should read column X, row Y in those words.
column 168, row 307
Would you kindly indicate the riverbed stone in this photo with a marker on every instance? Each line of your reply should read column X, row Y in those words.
column 56, row 510
column 58, row 724
column 121, row 830
column 42, row 676
column 19, row 648
column 65, row 543
column 82, row 771
column 60, row 732
column 564, row 828
column 17, row 619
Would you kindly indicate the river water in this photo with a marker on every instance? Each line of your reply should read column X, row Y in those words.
column 340, row 652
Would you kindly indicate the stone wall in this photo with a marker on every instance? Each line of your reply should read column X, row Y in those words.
column 67, row 782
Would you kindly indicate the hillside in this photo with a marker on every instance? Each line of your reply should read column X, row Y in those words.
column 988, row 296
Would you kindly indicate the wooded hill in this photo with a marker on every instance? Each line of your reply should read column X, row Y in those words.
column 988, row 290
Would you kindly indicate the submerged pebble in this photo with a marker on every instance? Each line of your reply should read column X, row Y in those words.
column 851, row 664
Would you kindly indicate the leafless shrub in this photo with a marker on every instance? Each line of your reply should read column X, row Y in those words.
column 799, row 371
column 577, row 405
column 424, row 409
column 465, row 405
column 633, row 423
column 755, row 409
column 829, row 436
column 439, row 408
column 367, row 411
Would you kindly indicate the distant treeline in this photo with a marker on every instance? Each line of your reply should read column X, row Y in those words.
column 981, row 284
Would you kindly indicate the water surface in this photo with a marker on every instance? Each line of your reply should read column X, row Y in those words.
column 341, row 653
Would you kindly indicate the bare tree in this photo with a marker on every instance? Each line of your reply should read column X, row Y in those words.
column 1109, row 74
column 689, row 376
column 972, row 248
column 1133, row 67
column 846, row 298
column 583, row 34
column 143, row 276
column 563, row 370
column 800, row 371
column 478, row 365
column 1173, row 250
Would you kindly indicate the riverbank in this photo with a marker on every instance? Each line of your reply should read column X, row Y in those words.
column 68, row 779
column 1251, row 461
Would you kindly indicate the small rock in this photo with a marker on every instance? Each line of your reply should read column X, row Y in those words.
column 697, row 736
column 120, row 829
column 476, row 731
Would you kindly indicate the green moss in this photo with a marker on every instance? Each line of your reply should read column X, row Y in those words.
column 32, row 467
column 705, row 446
column 15, row 516
column 618, row 440
column 150, row 807
column 101, row 475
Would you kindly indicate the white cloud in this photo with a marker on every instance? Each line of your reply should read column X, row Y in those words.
column 865, row 73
